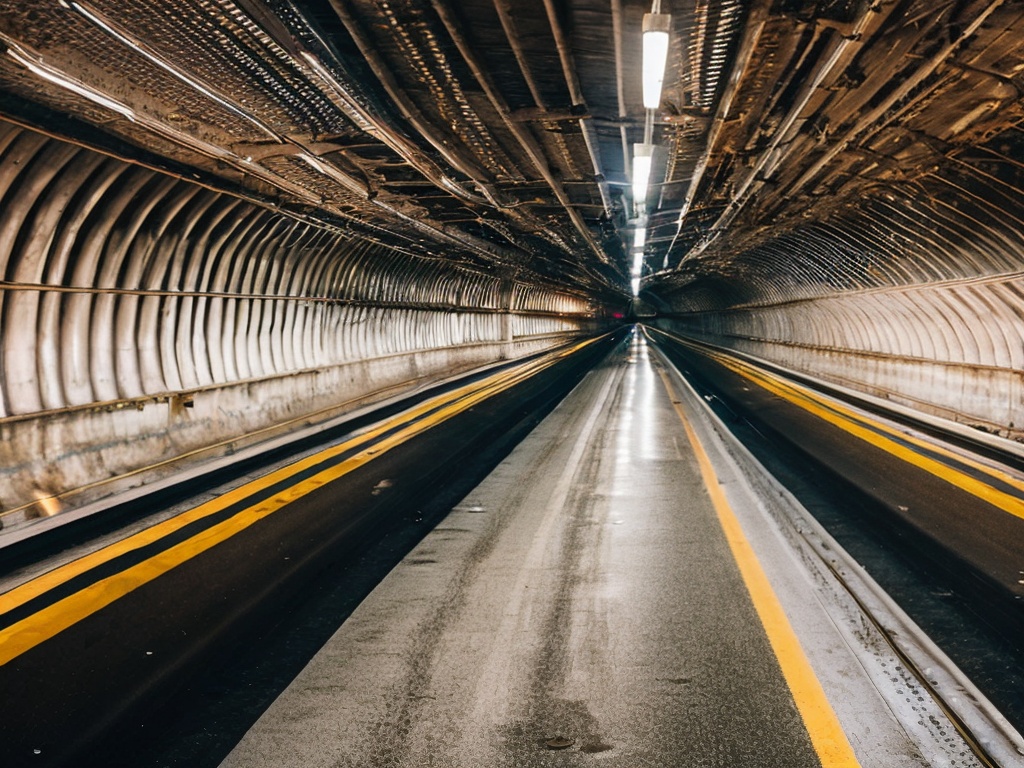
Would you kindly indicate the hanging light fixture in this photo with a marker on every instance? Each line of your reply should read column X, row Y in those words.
column 643, row 154
column 638, row 264
column 640, row 234
column 655, row 28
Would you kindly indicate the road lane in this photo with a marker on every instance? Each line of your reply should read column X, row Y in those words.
column 580, row 606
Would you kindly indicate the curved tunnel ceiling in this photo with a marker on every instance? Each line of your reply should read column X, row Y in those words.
column 224, row 217
column 803, row 146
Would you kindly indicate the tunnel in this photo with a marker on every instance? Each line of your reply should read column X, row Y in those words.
column 221, row 218
column 224, row 221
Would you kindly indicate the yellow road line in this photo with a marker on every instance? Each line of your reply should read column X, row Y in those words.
column 853, row 423
column 59, row 575
column 800, row 390
column 827, row 735
column 800, row 395
column 34, row 629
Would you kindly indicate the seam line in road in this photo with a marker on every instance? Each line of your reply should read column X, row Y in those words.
column 498, row 666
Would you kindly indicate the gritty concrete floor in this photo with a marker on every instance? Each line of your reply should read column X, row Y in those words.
column 584, row 592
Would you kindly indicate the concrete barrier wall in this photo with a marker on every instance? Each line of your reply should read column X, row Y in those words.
column 54, row 461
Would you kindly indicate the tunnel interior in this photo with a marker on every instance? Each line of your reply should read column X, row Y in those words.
column 220, row 219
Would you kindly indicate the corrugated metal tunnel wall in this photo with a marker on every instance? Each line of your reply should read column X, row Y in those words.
column 845, row 201
column 913, row 294
column 860, row 217
column 147, row 321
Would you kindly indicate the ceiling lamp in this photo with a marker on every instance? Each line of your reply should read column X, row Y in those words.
column 639, row 235
column 643, row 154
column 638, row 264
column 655, row 27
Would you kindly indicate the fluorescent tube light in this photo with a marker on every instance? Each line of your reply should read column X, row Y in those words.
column 655, row 27
column 642, row 156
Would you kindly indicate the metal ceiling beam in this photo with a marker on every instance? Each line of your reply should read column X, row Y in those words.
column 524, row 221
column 516, row 128
column 576, row 94
column 756, row 20
column 871, row 19
column 620, row 79
column 508, row 26
column 458, row 160
column 341, row 95
column 34, row 62
column 873, row 117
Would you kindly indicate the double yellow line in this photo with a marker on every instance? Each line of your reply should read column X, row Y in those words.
column 41, row 625
column 954, row 468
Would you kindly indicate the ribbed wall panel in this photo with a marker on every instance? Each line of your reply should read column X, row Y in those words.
column 184, row 288
column 123, row 288
column 953, row 349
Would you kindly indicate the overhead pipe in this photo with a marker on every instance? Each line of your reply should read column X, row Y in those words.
column 620, row 79
column 409, row 110
column 525, row 139
column 434, row 306
column 865, row 122
column 897, row 95
column 509, row 209
column 457, row 159
column 576, row 94
column 36, row 64
column 361, row 116
column 844, row 51
column 508, row 27
column 756, row 21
